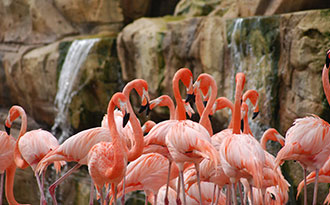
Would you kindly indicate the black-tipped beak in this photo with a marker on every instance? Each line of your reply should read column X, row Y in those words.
column 242, row 125
column 190, row 98
column 204, row 103
column 7, row 130
column 125, row 119
column 327, row 60
column 145, row 108
column 255, row 114
column 272, row 196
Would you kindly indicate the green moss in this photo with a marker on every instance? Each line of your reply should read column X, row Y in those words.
column 325, row 13
column 63, row 48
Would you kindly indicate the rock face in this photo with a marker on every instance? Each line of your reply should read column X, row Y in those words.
column 281, row 55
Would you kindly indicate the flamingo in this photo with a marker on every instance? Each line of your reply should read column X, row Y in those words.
column 7, row 164
column 189, row 141
column 107, row 160
column 148, row 173
column 207, row 195
column 147, row 126
column 32, row 146
column 271, row 176
column 324, row 177
column 308, row 140
column 155, row 141
column 76, row 147
column 241, row 154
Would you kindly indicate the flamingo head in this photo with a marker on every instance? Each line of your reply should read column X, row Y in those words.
column 253, row 95
column 203, row 83
column 14, row 112
column 160, row 101
column 142, row 90
column 327, row 60
column 185, row 75
column 121, row 103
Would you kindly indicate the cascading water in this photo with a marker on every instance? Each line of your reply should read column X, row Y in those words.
column 249, row 43
column 67, row 88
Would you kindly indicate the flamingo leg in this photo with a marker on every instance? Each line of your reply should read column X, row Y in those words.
column 91, row 194
column 42, row 195
column 1, row 187
column 182, row 184
column 166, row 202
column 234, row 193
column 59, row 180
column 115, row 196
column 123, row 197
column 178, row 201
column 198, row 183
column 315, row 186
column 101, row 196
column 155, row 199
column 218, row 195
column 214, row 194
column 305, row 187
column 251, row 193
column 241, row 193
column 228, row 193
column 146, row 199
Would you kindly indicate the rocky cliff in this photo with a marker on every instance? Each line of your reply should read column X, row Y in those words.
column 280, row 45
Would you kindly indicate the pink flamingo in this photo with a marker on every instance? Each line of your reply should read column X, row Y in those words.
column 31, row 146
column 76, row 147
column 7, row 164
column 207, row 195
column 149, row 173
column 107, row 160
column 307, row 141
column 189, row 141
column 324, row 177
column 147, row 126
column 238, row 159
column 155, row 140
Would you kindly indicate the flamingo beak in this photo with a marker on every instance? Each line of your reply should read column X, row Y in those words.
column 255, row 114
column 145, row 107
column 7, row 129
column 190, row 98
column 125, row 119
column 327, row 60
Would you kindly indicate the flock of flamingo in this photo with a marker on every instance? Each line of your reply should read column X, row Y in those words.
column 178, row 160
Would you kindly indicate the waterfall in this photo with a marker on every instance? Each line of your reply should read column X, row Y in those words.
column 75, row 57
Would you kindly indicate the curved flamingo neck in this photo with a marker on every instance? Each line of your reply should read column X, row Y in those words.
column 168, row 102
column 269, row 134
column 137, row 149
column 15, row 112
column 246, row 129
column 117, row 140
column 325, row 82
column 240, row 80
column 199, row 103
column 205, row 121
column 223, row 102
column 180, row 110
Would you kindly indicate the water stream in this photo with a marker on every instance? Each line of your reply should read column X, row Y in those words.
column 67, row 85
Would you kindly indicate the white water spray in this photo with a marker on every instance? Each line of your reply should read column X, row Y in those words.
column 75, row 57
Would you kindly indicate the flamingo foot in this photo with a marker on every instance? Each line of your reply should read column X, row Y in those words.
column 178, row 201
